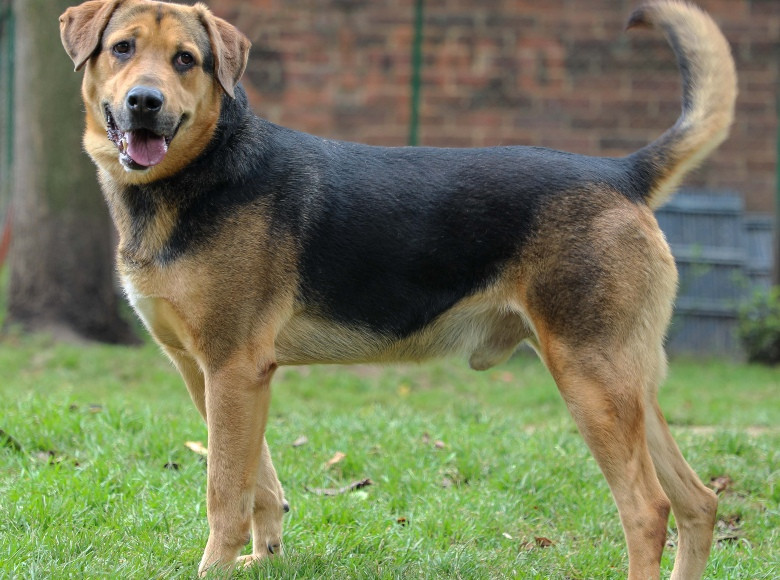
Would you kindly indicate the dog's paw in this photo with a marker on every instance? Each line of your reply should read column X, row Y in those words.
column 247, row 561
column 272, row 550
column 267, row 533
column 267, row 546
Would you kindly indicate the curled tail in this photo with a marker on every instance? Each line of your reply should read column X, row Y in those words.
column 709, row 93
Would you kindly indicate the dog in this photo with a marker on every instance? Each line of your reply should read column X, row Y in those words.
column 244, row 245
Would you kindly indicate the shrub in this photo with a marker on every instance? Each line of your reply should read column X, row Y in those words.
column 759, row 326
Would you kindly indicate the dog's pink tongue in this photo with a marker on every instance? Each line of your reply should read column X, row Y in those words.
column 146, row 148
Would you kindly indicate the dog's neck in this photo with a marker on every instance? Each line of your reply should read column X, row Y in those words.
column 147, row 215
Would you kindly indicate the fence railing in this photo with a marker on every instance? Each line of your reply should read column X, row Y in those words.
column 722, row 255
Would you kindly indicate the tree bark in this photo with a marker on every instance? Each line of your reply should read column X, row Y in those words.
column 61, row 272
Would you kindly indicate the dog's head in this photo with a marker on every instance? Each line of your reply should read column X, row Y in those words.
column 154, row 80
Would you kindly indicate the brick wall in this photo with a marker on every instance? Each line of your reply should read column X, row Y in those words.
column 555, row 73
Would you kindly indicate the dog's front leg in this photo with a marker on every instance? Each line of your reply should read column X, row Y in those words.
column 238, row 394
column 269, row 507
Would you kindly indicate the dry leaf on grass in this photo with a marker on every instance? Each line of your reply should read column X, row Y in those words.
column 55, row 458
column 197, row 447
column 337, row 457
column 720, row 483
column 330, row 492
column 728, row 528
column 438, row 444
column 302, row 440
column 46, row 456
column 539, row 542
column 543, row 542
column 504, row 377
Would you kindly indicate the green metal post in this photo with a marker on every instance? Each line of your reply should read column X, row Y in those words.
column 414, row 118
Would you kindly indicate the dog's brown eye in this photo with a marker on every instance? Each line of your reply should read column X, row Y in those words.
column 122, row 48
column 184, row 60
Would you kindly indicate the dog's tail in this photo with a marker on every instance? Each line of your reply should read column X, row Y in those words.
column 709, row 92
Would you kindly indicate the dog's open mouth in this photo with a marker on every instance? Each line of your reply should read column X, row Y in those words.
column 138, row 148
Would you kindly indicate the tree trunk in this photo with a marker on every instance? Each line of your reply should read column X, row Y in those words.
column 62, row 277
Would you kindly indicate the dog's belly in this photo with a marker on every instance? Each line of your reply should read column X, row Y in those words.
column 477, row 327
column 485, row 328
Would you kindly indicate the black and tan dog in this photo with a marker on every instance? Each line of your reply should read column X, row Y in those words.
column 244, row 246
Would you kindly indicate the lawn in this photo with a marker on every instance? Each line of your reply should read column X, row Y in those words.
column 474, row 475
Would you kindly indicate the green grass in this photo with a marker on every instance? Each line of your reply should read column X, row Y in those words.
column 91, row 493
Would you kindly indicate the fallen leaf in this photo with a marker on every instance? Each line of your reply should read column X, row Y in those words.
column 504, row 377
column 302, row 440
column 338, row 456
column 720, row 483
column 451, row 476
column 728, row 528
column 7, row 441
column 404, row 390
column 47, row 456
column 543, row 542
column 329, row 492
column 54, row 458
column 439, row 445
column 507, row 536
column 197, row 447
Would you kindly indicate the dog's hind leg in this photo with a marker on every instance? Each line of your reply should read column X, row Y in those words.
column 603, row 390
column 694, row 506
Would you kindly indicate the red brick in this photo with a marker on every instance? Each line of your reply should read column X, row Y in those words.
column 505, row 71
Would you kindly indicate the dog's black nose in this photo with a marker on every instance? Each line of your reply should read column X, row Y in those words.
column 144, row 101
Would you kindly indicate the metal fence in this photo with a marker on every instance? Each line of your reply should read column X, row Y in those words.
column 723, row 255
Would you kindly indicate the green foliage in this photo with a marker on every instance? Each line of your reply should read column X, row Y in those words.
column 759, row 326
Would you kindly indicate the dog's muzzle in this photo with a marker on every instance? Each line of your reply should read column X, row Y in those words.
column 140, row 128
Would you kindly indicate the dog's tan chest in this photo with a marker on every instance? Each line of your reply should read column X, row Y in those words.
column 160, row 317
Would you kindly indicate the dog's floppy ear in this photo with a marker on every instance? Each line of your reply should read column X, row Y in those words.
column 82, row 26
column 230, row 47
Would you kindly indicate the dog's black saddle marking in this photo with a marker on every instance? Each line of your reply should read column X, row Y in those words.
column 399, row 235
